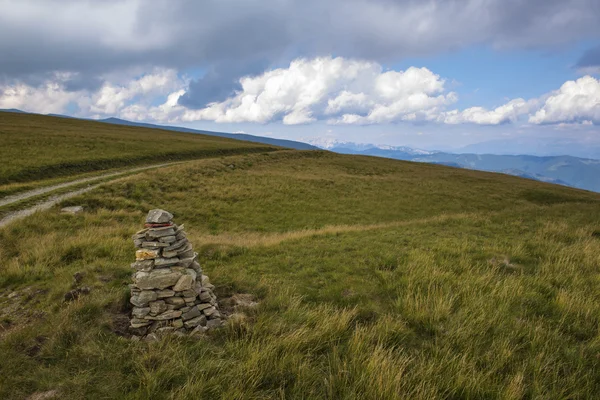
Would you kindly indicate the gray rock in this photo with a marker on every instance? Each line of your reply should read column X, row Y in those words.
column 203, row 306
column 139, row 323
column 169, row 254
column 138, row 243
column 166, row 315
column 178, row 323
column 165, row 330
column 186, row 262
column 153, row 245
column 151, row 337
column 189, row 293
column 177, row 245
column 159, row 233
column 143, row 298
column 209, row 311
column 145, row 265
column 156, row 279
column 158, row 216
column 186, row 253
column 72, row 210
column 184, row 283
column 196, row 267
column 165, row 262
column 157, row 307
column 198, row 331
column 205, row 297
column 140, row 312
column 185, row 309
column 167, row 240
column 205, row 281
column 165, row 293
column 193, row 313
column 178, row 301
column 181, row 235
column 194, row 322
column 213, row 323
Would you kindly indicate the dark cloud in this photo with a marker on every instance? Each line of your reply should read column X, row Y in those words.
column 219, row 83
column 223, row 36
column 591, row 58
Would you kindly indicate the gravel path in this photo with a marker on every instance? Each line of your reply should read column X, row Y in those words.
column 36, row 192
column 53, row 200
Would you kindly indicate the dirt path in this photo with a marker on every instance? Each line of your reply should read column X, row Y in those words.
column 53, row 200
column 36, row 192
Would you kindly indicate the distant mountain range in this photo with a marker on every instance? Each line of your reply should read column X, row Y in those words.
column 583, row 173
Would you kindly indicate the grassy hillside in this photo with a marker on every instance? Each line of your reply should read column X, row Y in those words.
column 376, row 279
column 37, row 147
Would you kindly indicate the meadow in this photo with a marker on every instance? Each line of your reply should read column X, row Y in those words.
column 376, row 279
column 38, row 147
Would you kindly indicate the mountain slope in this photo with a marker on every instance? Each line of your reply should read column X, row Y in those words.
column 37, row 147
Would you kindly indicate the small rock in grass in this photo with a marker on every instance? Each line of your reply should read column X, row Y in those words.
column 72, row 210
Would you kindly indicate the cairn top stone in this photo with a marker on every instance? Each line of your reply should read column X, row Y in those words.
column 159, row 216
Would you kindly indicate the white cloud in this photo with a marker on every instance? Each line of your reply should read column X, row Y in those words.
column 357, row 91
column 50, row 97
column 508, row 112
column 575, row 101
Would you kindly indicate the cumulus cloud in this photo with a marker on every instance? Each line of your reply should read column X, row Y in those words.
column 575, row 101
column 337, row 90
column 335, row 87
column 508, row 112
column 109, row 99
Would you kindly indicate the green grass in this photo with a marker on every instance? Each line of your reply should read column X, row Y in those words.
column 36, row 147
column 377, row 279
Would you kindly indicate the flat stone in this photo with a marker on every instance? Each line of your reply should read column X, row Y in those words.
column 144, row 265
column 203, row 306
column 177, row 245
column 213, row 323
column 141, row 232
column 186, row 262
column 178, row 301
column 165, row 330
column 181, row 235
column 169, row 254
column 205, row 297
column 156, row 279
column 209, row 286
column 143, row 298
column 166, row 315
column 209, row 311
column 156, row 233
column 146, row 254
column 167, row 240
column 185, row 309
column 193, row 313
column 138, row 243
column 192, row 323
column 187, row 253
column 154, row 245
column 165, row 293
column 184, row 283
column 205, row 281
column 158, row 216
column 196, row 267
column 190, row 300
column 137, row 325
column 198, row 331
column 157, row 307
column 165, row 262
column 140, row 312
column 151, row 337
column 72, row 210
column 189, row 293
column 178, row 323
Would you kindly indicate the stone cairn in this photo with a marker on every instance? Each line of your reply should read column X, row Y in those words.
column 169, row 293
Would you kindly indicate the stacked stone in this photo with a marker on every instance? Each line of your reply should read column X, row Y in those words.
column 169, row 292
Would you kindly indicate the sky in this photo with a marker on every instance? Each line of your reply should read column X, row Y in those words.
column 503, row 76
